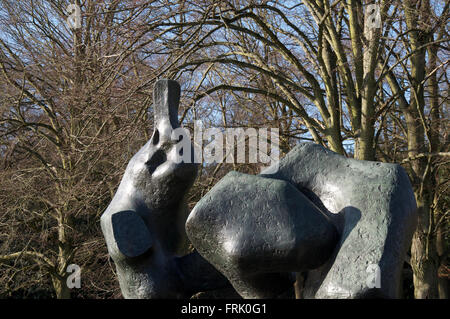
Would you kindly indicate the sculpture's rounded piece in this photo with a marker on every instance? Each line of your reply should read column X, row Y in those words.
column 250, row 226
column 373, row 207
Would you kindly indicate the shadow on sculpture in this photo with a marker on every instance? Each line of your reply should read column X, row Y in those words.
column 334, row 218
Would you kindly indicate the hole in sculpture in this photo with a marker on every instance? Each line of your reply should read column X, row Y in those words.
column 158, row 158
column 155, row 137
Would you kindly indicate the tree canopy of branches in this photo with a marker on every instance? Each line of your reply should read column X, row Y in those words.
column 367, row 79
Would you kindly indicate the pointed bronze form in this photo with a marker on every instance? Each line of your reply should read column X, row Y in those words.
column 144, row 223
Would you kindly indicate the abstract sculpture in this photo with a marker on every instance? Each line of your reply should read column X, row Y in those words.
column 257, row 231
column 334, row 218
column 371, row 205
column 144, row 223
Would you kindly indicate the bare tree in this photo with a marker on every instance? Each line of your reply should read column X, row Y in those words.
column 368, row 79
column 73, row 111
column 346, row 69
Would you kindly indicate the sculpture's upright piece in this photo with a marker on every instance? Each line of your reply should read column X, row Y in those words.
column 144, row 223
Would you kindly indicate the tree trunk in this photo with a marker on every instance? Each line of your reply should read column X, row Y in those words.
column 424, row 261
column 299, row 285
column 440, row 246
column 60, row 286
